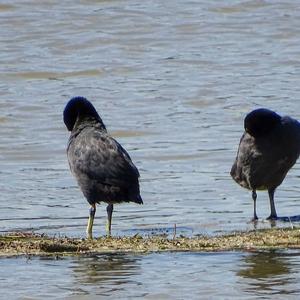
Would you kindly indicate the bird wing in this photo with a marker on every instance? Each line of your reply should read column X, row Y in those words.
column 102, row 158
column 260, row 163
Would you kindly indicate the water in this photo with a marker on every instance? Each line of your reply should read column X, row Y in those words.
column 172, row 81
column 180, row 276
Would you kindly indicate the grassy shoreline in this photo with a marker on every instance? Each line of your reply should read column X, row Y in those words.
column 12, row 244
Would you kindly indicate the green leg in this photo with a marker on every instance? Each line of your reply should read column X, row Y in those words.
column 89, row 228
column 109, row 210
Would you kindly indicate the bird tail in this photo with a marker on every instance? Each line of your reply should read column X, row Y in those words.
column 138, row 199
column 134, row 195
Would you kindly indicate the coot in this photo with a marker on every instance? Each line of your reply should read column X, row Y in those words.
column 102, row 167
column 268, row 149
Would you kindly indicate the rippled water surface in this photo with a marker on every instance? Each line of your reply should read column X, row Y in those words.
column 179, row 276
column 172, row 81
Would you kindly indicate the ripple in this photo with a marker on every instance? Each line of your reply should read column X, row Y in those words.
column 53, row 75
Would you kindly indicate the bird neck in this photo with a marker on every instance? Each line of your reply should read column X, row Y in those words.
column 82, row 123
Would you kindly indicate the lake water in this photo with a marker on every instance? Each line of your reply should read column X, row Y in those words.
column 229, row 275
column 172, row 81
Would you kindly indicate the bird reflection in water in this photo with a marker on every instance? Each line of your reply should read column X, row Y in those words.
column 106, row 272
column 269, row 272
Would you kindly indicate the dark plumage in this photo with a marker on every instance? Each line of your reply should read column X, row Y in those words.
column 268, row 149
column 102, row 167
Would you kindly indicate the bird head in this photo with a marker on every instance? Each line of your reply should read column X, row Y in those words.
column 79, row 109
column 260, row 122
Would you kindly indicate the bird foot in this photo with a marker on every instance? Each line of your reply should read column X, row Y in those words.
column 254, row 219
column 89, row 236
column 272, row 217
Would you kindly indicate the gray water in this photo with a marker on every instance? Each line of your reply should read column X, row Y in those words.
column 172, row 81
column 226, row 275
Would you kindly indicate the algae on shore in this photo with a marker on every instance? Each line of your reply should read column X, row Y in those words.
column 35, row 244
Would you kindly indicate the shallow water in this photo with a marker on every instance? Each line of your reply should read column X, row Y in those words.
column 230, row 275
column 172, row 81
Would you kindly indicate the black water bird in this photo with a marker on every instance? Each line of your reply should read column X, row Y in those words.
column 268, row 149
column 102, row 167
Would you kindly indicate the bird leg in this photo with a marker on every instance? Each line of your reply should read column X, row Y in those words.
column 273, row 215
column 89, row 228
column 109, row 210
column 254, row 196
